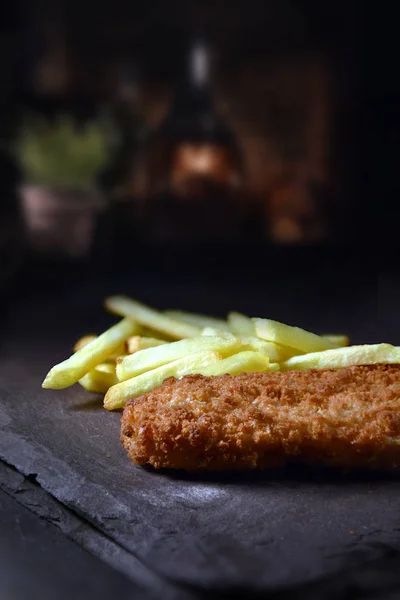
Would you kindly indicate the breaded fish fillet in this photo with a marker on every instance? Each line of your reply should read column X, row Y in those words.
column 348, row 418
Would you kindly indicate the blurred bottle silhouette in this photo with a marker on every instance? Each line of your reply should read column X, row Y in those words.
column 131, row 132
column 195, row 169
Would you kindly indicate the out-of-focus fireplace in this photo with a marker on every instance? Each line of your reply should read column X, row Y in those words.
column 283, row 74
column 282, row 81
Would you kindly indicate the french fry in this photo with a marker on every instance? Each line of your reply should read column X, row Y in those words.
column 119, row 394
column 118, row 359
column 147, row 345
column 214, row 331
column 293, row 337
column 138, row 342
column 121, row 350
column 99, row 379
column 339, row 341
column 198, row 320
column 105, row 368
column 344, row 357
column 84, row 341
column 97, row 351
column 275, row 352
column 244, row 327
column 243, row 362
column 159, row 335
column 240, row 324
column 126, row 307
column 273, row 367
column 151, row 358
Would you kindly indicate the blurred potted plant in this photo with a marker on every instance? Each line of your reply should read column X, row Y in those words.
column 61, row 162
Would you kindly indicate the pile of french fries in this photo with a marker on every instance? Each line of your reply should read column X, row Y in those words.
column 147, row 346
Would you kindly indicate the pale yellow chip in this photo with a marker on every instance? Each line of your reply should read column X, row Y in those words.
column 201, row 321
column 214, row 331
column 87, row 358
column 139, row 342
column 292, row 337
column 344, row 357
column 151, row 358
column 84, row 341
column 106, row 368
column 242, row 362
column 159, row 335
column 120, row 351
column 338, row 340
column 119, row 394
column 100, row 379
column 240, row 324
column 126, row 307
column 275, row 352
column 119, row 359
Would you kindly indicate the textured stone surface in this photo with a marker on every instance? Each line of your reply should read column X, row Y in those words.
column 272, row 531
column 38, row 562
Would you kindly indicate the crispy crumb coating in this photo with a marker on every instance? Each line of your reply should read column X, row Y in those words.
column 347, row 418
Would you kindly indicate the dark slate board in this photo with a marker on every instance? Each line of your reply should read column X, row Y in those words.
column 38, row 562
column 270, row 531
column 51, row 512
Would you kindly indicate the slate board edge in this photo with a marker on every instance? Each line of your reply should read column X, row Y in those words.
column 333, row 586
column 26, row 492
column 35, row 498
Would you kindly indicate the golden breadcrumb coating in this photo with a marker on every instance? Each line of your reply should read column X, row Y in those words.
column 348, row 417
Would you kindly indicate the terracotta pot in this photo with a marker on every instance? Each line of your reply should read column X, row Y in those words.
column 61, row 221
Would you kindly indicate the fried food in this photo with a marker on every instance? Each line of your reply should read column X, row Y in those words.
column 89, row 356
column 151, row 318
column 151, row 358
column 348, row 417
column 119, row 394
column 84, row 341
column 139, row 342
column 367, row 354
column 198, row 320
column 338, row 340
column 242, row 362
column 241, row 324
column 275, row 352
column 292, row 337
column 99, row 379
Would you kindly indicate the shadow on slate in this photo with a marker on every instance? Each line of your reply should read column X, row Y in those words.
column 276, row 532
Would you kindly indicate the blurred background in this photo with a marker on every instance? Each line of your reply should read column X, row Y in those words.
column 194, row 133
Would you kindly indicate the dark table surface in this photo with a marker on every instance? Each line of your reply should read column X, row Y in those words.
column 320, row 535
